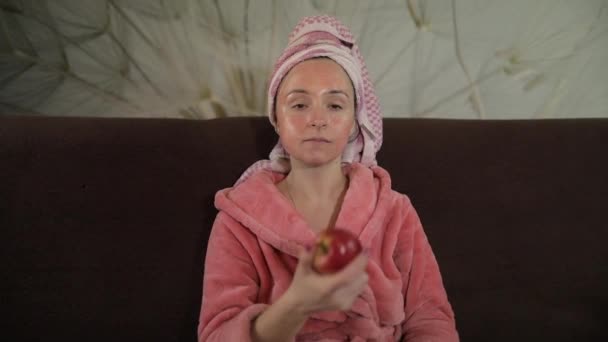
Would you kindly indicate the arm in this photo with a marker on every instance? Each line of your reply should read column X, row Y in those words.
column 428, row 314
column 281, row 321
column 230, row 287
column 310, row 292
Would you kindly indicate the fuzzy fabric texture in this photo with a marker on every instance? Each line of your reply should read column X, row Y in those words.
column 252, row 256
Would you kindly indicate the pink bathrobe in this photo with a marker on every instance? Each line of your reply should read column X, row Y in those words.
column 251, row 258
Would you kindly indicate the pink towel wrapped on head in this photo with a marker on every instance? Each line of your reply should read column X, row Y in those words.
column 253, row 247
column 324, row 36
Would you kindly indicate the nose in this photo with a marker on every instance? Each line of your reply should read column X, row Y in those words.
column 318, row 118
column 318, row 123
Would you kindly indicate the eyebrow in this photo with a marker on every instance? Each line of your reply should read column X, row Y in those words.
column 333, row 91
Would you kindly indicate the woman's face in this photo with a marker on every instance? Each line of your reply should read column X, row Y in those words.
column 315, row 112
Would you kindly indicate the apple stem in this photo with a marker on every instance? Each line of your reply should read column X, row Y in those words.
column 324, row 248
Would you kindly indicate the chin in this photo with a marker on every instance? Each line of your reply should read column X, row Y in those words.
column 316, row 157
column 318, row 161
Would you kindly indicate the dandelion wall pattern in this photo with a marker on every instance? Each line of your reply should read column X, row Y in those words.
column 203, row 59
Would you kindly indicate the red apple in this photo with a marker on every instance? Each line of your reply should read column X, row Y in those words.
column 334, row 249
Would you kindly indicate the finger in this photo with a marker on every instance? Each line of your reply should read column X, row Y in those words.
column 345, row 276
column 359, row 284
column 352, row 270
column 356, row 285
column 345, row 296
column 305, row 257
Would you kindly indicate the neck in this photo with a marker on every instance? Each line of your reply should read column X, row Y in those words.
column 317, row 184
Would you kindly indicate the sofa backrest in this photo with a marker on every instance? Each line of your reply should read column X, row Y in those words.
column 104, row 221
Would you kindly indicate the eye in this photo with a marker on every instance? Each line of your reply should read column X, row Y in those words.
column 335, row 107
column 298, row 106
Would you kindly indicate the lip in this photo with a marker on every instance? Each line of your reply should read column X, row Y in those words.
column 317, row 139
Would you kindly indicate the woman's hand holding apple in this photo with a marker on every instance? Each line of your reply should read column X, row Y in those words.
column 327, row 278
column 311, row 291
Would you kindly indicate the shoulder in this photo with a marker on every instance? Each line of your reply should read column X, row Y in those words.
column 376, row 182
column 401, row 208
column 250, row 191
column 384, row 184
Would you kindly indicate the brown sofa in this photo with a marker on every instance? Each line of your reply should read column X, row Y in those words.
column 104, row 222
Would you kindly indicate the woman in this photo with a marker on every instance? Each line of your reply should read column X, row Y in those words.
column 259, row 284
